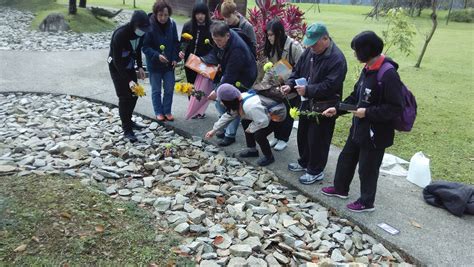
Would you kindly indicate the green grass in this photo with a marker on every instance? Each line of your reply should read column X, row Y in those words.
column 64, row 223
column 443, row 86
column 145, row 5
column 83, row 21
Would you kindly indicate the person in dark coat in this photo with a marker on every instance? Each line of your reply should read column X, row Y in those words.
column 124, row 54
column 199, row 28
column 372, row 130
column 161, row 48
column 237, row 65
column 324, row 67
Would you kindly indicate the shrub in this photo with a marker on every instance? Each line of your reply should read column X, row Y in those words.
column 463, row 15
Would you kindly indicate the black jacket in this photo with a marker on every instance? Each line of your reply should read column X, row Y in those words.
column 326, row 73
column 122, row 56
column 237, row 62
column 197, row 45
column 456, row 198
column 383, row 104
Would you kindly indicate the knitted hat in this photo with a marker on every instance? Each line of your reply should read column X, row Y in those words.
column 227, row 92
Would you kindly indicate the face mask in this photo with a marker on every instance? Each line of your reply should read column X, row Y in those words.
column 139, row 32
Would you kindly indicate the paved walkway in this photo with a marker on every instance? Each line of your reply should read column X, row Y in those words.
column 442, row 239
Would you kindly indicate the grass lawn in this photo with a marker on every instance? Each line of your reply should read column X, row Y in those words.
column 55, row 221
column 443, row 86
column 83, row 21
column 145, row 5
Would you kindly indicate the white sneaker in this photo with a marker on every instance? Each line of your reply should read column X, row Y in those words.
column 273, row 142
column 280, row 145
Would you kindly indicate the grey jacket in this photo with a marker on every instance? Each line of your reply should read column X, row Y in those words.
column 247, row 28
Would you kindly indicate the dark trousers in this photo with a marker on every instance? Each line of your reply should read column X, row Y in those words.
column 283, row 129
column 314, row 141
column 127, row 101
column 369, row 164
column 260, row 137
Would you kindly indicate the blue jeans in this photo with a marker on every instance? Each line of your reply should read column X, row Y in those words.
column 231, row 129
column 162, row 107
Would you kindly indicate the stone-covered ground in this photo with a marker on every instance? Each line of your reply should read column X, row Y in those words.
column 16, row 34
column 230, row 213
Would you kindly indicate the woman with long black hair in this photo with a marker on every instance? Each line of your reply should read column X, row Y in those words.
column 199, row 28
column 278, row 45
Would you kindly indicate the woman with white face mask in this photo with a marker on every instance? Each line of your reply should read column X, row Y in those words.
column 124, row 54
column 161, row 48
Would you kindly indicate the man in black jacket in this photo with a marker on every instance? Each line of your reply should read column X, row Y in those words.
column 324, row 67
column 125, row 52
column 238, row 64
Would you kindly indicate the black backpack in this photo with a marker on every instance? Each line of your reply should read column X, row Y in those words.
column 247, row 41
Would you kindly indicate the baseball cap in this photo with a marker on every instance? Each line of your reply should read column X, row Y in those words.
column 313, row 33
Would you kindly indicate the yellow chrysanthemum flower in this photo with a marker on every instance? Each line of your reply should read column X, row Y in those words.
column 238, row 84
column 186, row 36
column 178, row 87
column 187, row 88
column 206, row 41
column 162, row 47
column 267, row 66
column 294, row 113
column 139, row 90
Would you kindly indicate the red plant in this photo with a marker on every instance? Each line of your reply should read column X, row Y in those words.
column 291, row 17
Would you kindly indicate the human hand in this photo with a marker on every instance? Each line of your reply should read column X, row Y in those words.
column 141, row 74
column 330, row 112
column 210, row 134
column 359, row 113
column 301, row 90
column 181, row 55
column 173, row 64
column 132, row 84
column 285, row 89
column 163, row 59
column 212, row 96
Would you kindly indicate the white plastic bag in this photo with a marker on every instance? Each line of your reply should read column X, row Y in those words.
column 419, row 170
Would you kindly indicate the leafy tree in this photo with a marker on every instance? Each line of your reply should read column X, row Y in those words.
column 399, row 31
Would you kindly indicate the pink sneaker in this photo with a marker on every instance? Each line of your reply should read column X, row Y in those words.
column 331, row 192
column 359, row 207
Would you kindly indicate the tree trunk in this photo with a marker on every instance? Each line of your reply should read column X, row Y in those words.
column 72, row 7
column 465, row 4
column 449, row 12
column 434, row 20
column 82, row 3
column 123, row 2
column 134, row 4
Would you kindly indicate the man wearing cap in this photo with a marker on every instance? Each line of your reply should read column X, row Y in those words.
column 324, row 67
column 125, row 52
